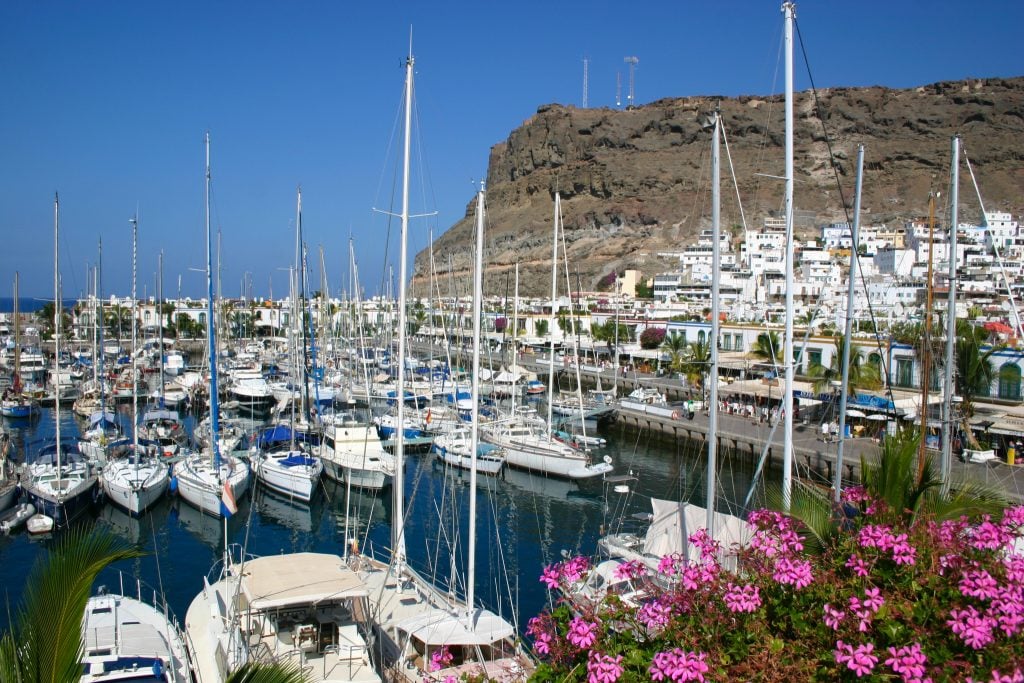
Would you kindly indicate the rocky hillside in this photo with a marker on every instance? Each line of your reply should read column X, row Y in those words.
column 636, row 183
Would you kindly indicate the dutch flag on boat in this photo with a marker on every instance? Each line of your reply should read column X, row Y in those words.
column 228, row 506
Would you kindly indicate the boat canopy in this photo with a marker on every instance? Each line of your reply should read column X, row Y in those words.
column 102, row 416
column 279, row 434
column 299, row 579
column 440, row 628
column 155, row 415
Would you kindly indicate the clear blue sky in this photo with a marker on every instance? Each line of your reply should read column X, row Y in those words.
column 107, row 102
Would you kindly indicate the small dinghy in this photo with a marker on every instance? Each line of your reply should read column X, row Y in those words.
column 39, row 524
column 16, row 516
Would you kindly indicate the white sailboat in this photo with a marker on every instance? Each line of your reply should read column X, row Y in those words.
column 205, row 479
column 424, row 633
column 137, row 481
column 125, row 638
column 60, row 483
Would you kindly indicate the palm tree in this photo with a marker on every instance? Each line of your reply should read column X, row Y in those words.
column 973, row 370
column 698, row 362
column 767, row 346
column 44, row 642
column 675, row 346
column 892, row 479
column 862, row 374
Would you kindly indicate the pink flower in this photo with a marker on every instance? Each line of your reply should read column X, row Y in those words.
column 974, row 628
column 603, row 668
column 634, row 569
column 873, row 599
column 1013, row 518
column 742, row 598
column 677, row 665
column 796, row 573
column 654, row 615
column 1016, row 677
column 573, row 569
column 903, row 552
column 978, row 583
column 833, row 617
column 440, row 659
column 582, row 633
column 549, row 577
column 989, row 536
column 909, row 662
column 859, row 660
column 859, row 566
column 670, row 565
column 542, row 643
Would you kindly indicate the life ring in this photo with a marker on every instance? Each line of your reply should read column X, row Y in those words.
column 676, row 415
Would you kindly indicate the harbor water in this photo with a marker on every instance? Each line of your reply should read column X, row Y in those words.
column 525, row 521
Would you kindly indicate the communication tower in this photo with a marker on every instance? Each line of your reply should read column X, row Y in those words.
column 586, row 66
column 630, row 99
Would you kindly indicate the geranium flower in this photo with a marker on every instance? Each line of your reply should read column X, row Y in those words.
column 677, row 665
column 582, row 633
column 859, row 660
column 909, row 662
column 603, row 668
column 974, row 628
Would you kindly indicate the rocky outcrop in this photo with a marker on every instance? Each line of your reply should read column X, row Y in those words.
column 636, row 183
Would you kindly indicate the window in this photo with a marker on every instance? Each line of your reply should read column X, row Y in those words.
column 904, row 372
column 814, row 356
column 700, row 337
column 737, row 342
column 1009, row 382
column 727, row 342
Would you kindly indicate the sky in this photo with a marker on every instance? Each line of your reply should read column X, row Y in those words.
column 107, row 104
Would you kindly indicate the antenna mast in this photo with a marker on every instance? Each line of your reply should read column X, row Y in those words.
column 586, row 67
column 618, row 88
column 630, row 99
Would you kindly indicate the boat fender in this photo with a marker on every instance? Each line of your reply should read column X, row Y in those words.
column 676, row 415
column 174, row 485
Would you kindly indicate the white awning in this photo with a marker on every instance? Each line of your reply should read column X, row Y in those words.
column 438, row 627
column 298, row 579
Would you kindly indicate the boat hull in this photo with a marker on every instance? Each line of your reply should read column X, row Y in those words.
column 134, row 490
column 198, row 483
column 298, row 482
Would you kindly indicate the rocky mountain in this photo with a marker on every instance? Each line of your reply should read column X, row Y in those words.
column 635, row 183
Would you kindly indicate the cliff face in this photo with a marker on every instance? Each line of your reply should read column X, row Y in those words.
column 635, row 183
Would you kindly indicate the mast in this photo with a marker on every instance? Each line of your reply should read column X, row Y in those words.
column 475, row 422
column 16, row 380
column 716, row 210
column 160, row 318
column 99, row 296
column 926, row 346
column 551, row 316
column 134, row 220
column 398, row 533
column 56, row 327
column 945, row 459
column 211, row 333
column 844, row 388
column 787, row 396
column 300, row 263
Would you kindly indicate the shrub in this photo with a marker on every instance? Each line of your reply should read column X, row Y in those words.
column 885, row 601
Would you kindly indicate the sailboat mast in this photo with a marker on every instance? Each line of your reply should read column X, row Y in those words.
column 135, row 370
column 551, row 316
column 56, row 325
column 787, row 360
column 475, row 423
column 211, row 333
column 398, row 533
column 160, row 319
column 926, row 354
column 16, row 380
column 945, row 458
column 844, row 388
column 712, row 395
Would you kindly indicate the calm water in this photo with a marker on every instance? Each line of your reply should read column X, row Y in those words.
column 525, row 521
column 29, row 304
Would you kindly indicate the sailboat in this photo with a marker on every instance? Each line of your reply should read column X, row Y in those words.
column 205, row 479
column 125, row 638
column 14, row 403
column 422, row 632
column 137, row 481
column 60, row 483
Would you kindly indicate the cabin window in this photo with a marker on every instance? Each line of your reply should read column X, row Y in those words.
column 1009, row 382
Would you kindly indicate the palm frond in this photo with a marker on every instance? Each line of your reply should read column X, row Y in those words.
column 48, row 625
column 813, row 508
column 279, row 672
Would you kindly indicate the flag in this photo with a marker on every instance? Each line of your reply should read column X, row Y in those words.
column 228, row 506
